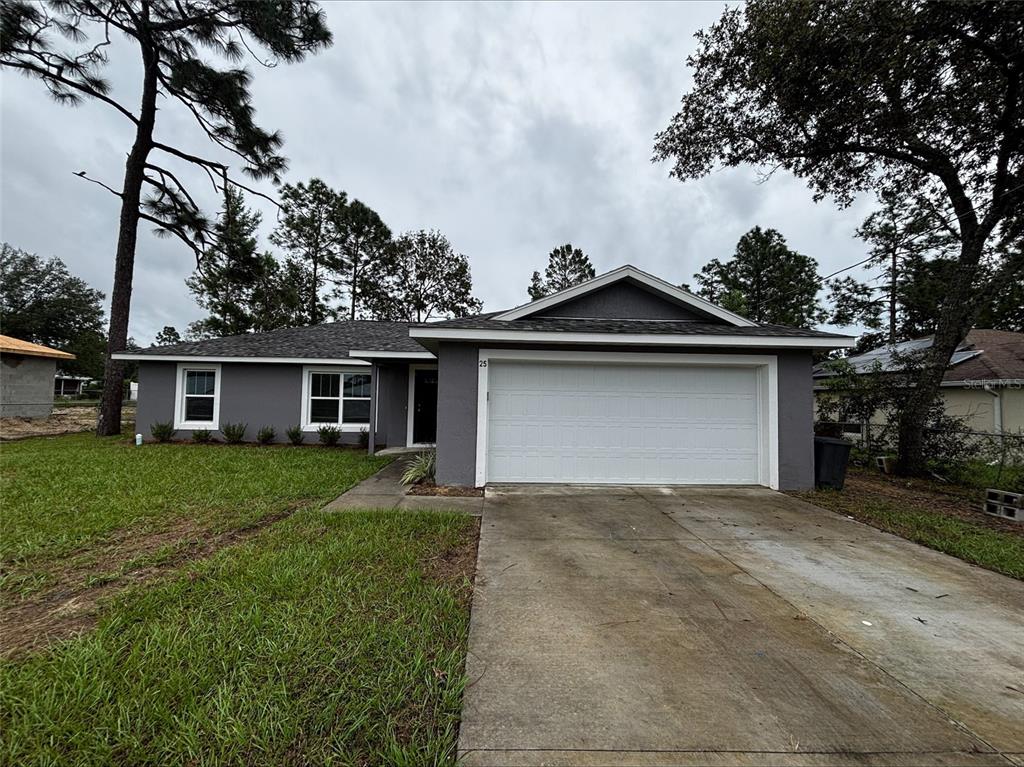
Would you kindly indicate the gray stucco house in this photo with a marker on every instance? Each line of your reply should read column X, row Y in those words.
column 623, row 379
column 26, row 378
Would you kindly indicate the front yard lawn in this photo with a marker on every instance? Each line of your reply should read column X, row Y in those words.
column 329, row 638
column 944, row 518
column 191, row 604
column 77, row 501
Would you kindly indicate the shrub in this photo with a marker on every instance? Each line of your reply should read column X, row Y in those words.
column 419, row 468
column 234, row 432
column 202, row 435
column 163, row 431
column 266, row 435
column 329, row 435
column 294, row 434
column 364, row 438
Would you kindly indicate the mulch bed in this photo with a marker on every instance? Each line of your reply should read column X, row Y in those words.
column 449, row 491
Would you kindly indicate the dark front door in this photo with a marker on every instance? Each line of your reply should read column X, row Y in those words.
column 424, row 407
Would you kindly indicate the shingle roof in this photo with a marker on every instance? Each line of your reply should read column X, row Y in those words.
column 332, row 340
column 984, row 355
column 999, row 357
column 653, row 327
column 11, row 345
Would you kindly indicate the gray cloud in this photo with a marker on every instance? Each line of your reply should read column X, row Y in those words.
column 510, row 127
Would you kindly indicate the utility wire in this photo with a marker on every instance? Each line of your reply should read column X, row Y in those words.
column 943, row 225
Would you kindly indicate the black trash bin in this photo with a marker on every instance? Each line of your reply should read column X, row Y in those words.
column 830, row 458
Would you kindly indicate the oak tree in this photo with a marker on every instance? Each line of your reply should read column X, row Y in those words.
column 909, row 97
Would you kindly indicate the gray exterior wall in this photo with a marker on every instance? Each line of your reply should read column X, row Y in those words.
column 796, row 421
column 456, row 410
column 26, row 386
column 390, row 409
column 456, row 414
column 253, row 393
column 624, row 300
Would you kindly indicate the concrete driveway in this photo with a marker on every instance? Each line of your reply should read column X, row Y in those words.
column 730, row 626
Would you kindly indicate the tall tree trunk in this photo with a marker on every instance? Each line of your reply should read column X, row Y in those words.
column 955, row 318
column 892, row 299
column 313, row 295
column 109, row 422
column 352, row 287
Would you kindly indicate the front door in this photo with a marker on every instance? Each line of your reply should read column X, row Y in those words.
column 424, row 407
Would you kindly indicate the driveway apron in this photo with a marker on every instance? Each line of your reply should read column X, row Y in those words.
column 656, row 626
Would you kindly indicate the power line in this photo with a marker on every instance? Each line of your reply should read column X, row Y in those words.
column 943, row 225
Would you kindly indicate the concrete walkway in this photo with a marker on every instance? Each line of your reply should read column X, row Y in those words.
column 730, row 626
column 384, row 490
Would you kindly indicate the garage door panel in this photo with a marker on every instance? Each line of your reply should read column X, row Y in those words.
column 622, row 423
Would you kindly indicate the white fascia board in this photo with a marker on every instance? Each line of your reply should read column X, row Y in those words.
column 634, row 339
column 623, row 272
column 272, row 360
column 421, row 355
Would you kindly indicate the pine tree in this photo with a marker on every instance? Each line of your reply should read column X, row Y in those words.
column 567, row 266
column 764, row 281
column 67, row 45
column 229, row 273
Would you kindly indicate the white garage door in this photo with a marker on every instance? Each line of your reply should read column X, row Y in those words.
column 623, row 424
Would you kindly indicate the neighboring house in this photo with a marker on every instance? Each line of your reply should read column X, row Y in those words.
column 623, row 379
column 27, row 372
column 68, row 385
column 983, row 384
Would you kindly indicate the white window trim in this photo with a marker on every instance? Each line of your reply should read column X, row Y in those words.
column 179, row 396
column 768, row 393
column 411, row 404
column 307, row 425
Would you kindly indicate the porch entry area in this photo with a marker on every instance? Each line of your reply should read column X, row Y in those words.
column 422, row 425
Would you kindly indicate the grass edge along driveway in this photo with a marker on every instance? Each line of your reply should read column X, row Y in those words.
column 329, row 638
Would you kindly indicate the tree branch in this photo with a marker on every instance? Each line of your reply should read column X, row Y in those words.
column 46, row 74
column 81, row 174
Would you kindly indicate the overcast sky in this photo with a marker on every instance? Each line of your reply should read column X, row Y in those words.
column 512, row 128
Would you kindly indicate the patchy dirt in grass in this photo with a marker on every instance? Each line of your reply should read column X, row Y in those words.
column 457, row 565
column 71, row 604
column 449, row 491
column 922, row 495
column 63, row 420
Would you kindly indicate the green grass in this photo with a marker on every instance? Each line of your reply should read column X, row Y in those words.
column 992, row 549
column 981, row 475
column 322, row 640
column 64, row 494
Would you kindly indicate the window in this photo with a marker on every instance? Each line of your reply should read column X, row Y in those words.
column 340, row 398
column 198, row 397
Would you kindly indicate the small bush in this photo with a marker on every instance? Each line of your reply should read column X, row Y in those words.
column 419, row 468
column 163, row 431
column 329, row 435
column 234, row 432
column 364, row 438
column 294, row 434
column 202, row 436
column 266, row 435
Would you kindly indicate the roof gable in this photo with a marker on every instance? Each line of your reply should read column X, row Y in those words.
column 624, row 300
column 630, row 275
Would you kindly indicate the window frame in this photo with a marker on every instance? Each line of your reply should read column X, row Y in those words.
column 307, row 386
column 183, row 369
